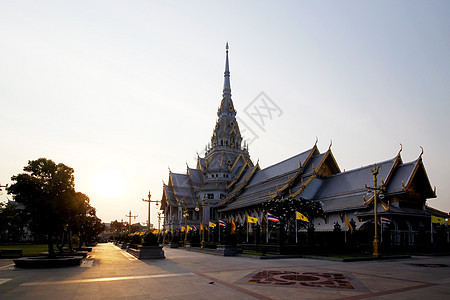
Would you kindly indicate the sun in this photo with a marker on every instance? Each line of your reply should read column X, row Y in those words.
column 110, row 184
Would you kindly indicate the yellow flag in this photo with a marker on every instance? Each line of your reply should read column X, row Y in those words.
column 201, row 226
column 183, row 228
column 301, row 217
column 211, row 224
column 435, row 219
column 171, row 230
column 348, row 224
column 167, row 231
column 252, row 219
column 233, row 226
column 189, row 228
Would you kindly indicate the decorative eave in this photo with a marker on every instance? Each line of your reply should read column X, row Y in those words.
column 437, row 212
column 303, row 187
column 236, row 178
column 170, row 183
column 199, row 164
column 314, row 149
column 236, row 161
column 397, row 162
column 328, row 155
column 290, row 182
column 418, row 165
column 164, row 201
column 243, row 184
column 407, row 186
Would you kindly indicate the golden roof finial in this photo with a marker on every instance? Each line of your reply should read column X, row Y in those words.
column 421, row 153
column 401, row 148
column 317, row 139
column 331, row 143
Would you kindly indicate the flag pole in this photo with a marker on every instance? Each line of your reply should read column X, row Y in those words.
column 296, row 230
column 345, row 234
column 247, row 228
column 431, row 229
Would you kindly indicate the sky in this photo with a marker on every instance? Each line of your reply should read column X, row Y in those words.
column 121, row 91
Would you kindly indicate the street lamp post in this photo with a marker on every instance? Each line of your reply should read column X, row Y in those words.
column 164, row 229
column 375, row 189
column 203, row 243
column 159, row 222
column 185, row 214
column 149, row 202
column 129, row 222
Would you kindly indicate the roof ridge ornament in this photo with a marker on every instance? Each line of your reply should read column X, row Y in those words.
column 317, row 139
column 401, row 148
column 421, row 153
column 331, row 144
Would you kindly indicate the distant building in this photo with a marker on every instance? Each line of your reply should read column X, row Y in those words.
column 234, row 187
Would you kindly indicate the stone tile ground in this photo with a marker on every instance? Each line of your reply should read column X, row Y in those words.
column 111, row 274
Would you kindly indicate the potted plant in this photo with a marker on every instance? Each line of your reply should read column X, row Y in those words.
column 150, row 248
column 175, row 242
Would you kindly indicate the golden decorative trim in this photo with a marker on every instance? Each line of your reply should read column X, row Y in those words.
column 304, row 185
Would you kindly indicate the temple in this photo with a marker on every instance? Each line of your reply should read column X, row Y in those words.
column 231, row 187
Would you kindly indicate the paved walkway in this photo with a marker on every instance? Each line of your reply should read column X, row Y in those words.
column 110, row 273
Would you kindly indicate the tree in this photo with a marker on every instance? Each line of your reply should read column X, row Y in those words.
column 285, row 209
column 82, row 219
column 12, row 222
column 46, row 189
column 117, row 227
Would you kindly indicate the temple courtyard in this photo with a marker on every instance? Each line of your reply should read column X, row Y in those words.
column 111, row 273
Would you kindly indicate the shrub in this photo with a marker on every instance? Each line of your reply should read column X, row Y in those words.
column 150, row 240
column 136, row 239
column 175, row 239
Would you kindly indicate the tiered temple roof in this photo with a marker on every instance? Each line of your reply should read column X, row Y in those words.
column 228, row 169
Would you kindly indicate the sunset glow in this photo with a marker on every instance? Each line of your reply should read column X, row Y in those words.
column 110, row 184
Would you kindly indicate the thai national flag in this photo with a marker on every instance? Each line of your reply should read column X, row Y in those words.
column 222, row 223
column 385, row 221
column 272, row 218
column 193, row 227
